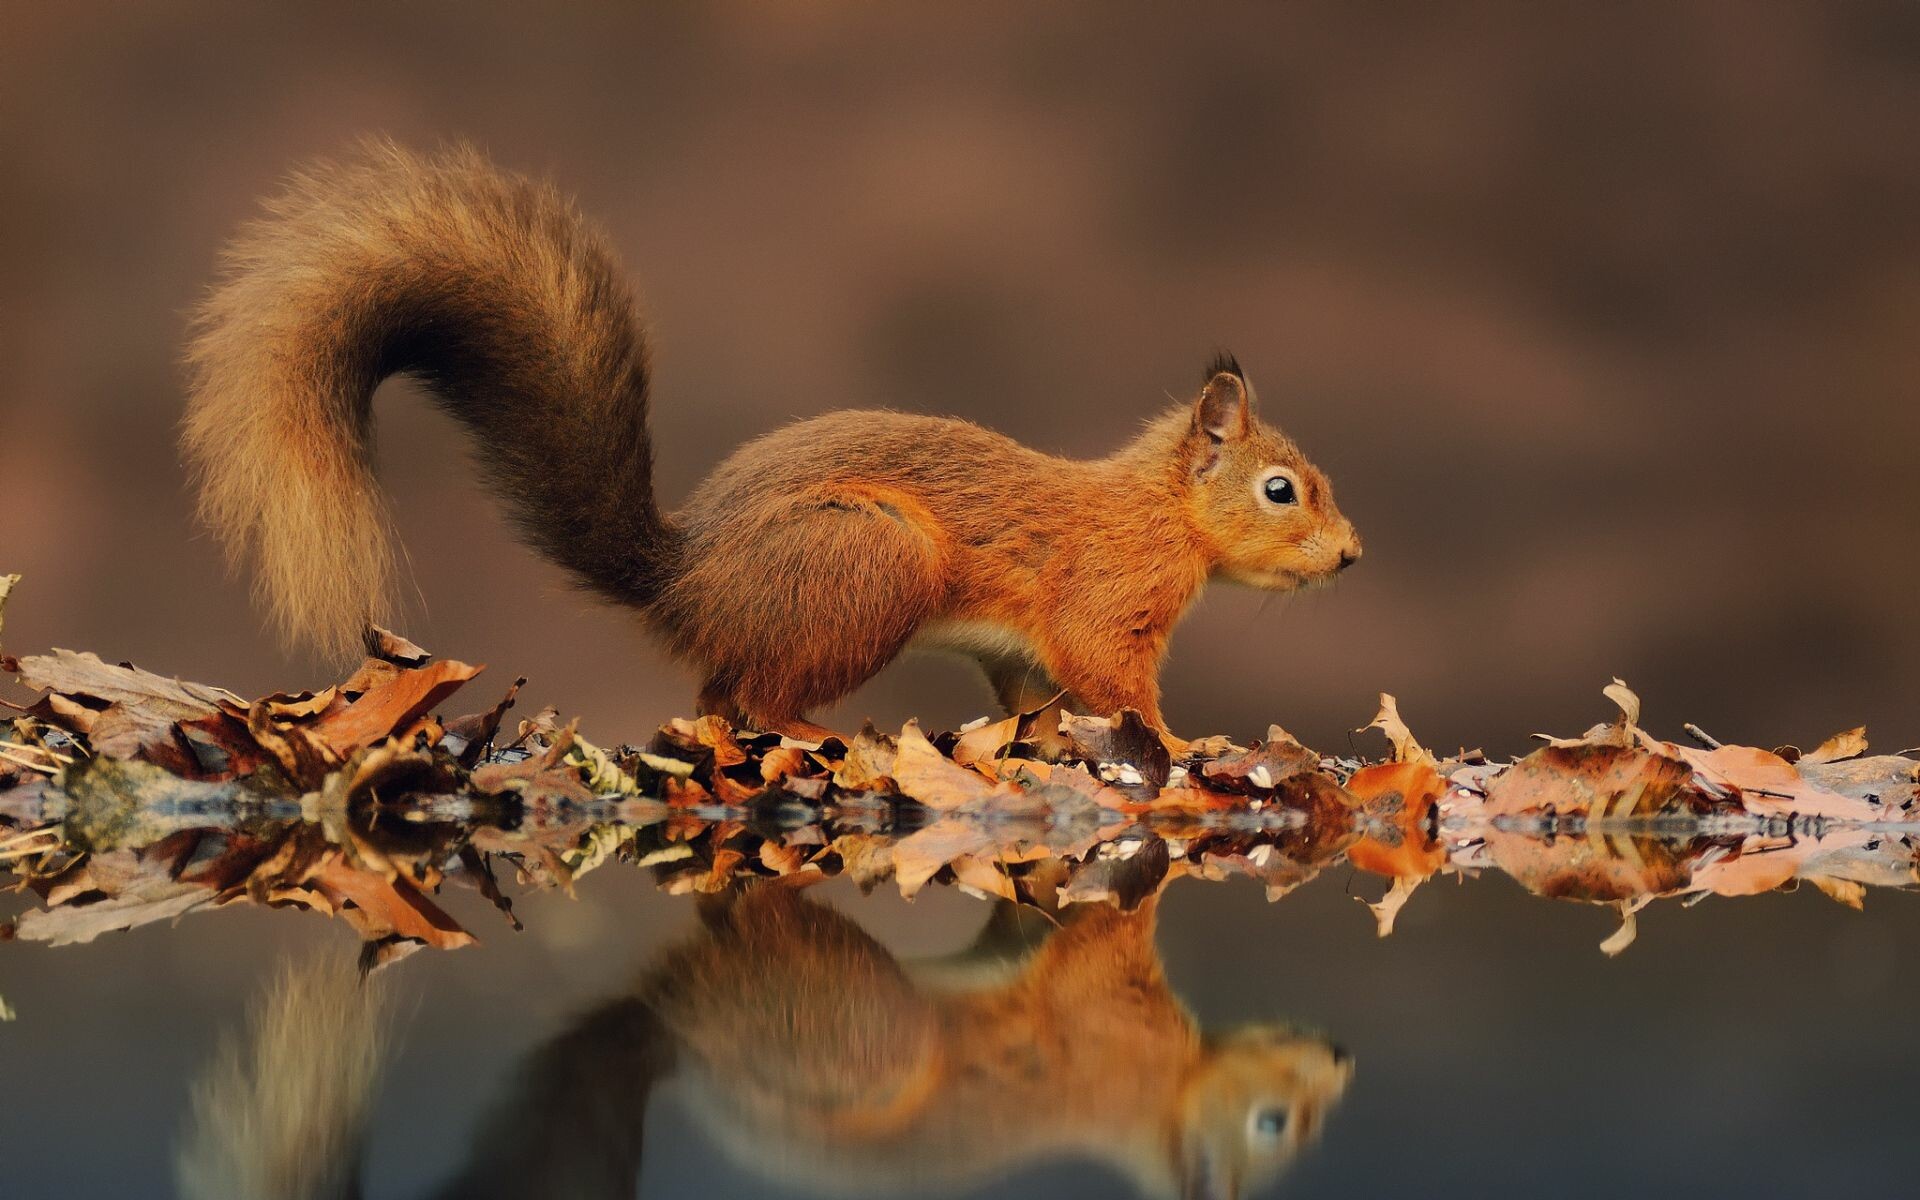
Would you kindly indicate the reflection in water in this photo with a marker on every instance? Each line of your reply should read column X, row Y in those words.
column 820, row 1060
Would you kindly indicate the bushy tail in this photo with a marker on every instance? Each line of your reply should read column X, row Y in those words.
column 489, row 288
column 280, row 1113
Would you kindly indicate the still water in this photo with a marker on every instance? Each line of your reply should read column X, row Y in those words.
column 759, row 1039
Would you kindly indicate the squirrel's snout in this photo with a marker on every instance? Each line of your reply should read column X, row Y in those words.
column 1350, row 552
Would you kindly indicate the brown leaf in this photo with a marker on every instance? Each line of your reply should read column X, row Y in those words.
column 1624, row 696
column 1768, row 785
column 1851, row 744
column 784, row 765
column 479, row 730
column 1260, row 768
column 1387, row 721
column 868, row 765
column 924, row 774
column 782, row 859
column 984, row 875
column 1842, row 891
column 135, row 731
column 919, row 856
column 65, row 713
column 1040, row 729
column 383, row 907
column 6, row 588
column 1595, row 780
column 85, row 675
column 1386, row 910
column 1121, row 881
column 1124, row 737
column 388, row 646
column 1886, row 782
column 304, row 757
column 1280, row 872
column 714, row 734
column 370, row 674
column 1598, row 868
column 159, row 899
column 391, row 707
column 866, row 858
column 1629, row 929
column 984, row 745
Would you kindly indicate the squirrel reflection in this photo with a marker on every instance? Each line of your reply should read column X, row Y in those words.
column 822, row 1061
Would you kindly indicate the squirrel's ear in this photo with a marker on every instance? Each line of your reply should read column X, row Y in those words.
column 1224, row 410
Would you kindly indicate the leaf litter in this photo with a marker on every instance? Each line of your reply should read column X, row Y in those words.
column 128, row 798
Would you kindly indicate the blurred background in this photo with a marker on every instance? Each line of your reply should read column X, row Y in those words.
column 1602, row 318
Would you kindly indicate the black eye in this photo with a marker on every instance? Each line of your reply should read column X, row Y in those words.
column 1270, row 1121
column 1279, row 490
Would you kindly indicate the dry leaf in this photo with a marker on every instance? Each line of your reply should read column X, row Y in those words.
column 1629, row 929
column 919, row 856
column 1843, row 891
column 1387, row 908
column 868, row 765
column 393, row 706
column 1122, row 738
column 1598, row 781
column 1387, row 721
column 985, row 744
column 984, row 876
column 1624, row 696
column 1851, row 744
column 388, row 646
column 6, row 589
column 1768, row 785
column 1263, row 767
column 85, row 675
column 924, row 774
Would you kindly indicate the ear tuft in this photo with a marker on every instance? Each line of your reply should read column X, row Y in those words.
column 1224, row 363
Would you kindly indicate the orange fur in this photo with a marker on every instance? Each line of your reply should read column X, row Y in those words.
column 816, row 1057
column 812, row 1050
column 809, row 558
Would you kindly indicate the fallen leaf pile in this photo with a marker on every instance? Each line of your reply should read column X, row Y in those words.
column 127, row 797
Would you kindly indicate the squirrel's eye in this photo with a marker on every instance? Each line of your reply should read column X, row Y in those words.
column 1270, row 1122
column 1279, row 490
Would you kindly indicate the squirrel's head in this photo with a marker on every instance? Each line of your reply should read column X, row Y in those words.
column 1256, row 1098
column 1268, row 512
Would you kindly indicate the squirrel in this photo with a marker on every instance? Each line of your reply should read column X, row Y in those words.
column 801, row 566
column 813, row 1056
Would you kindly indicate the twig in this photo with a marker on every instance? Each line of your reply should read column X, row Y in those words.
column 18, row 761
column 19, row 846
column 1706, row 740
column 33, row 748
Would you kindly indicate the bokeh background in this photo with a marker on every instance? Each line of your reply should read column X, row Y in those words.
column 1602, row 317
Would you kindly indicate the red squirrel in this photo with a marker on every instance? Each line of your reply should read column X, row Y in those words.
column 812, row 1056
column 801, row 566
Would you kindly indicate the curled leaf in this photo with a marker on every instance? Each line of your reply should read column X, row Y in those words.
column 6, row 588
column 1850, row 744
column 1387, row 721
column 1386, row 909
column 1629, row 929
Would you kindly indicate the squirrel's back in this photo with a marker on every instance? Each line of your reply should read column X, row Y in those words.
column 492, row 291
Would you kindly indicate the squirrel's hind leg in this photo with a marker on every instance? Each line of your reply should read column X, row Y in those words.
column 852, row 573
column 1019, row 684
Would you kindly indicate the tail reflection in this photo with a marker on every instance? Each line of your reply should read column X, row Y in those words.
column 822, row 1061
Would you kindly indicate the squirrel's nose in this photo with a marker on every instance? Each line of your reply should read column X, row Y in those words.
column 1349, row 557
